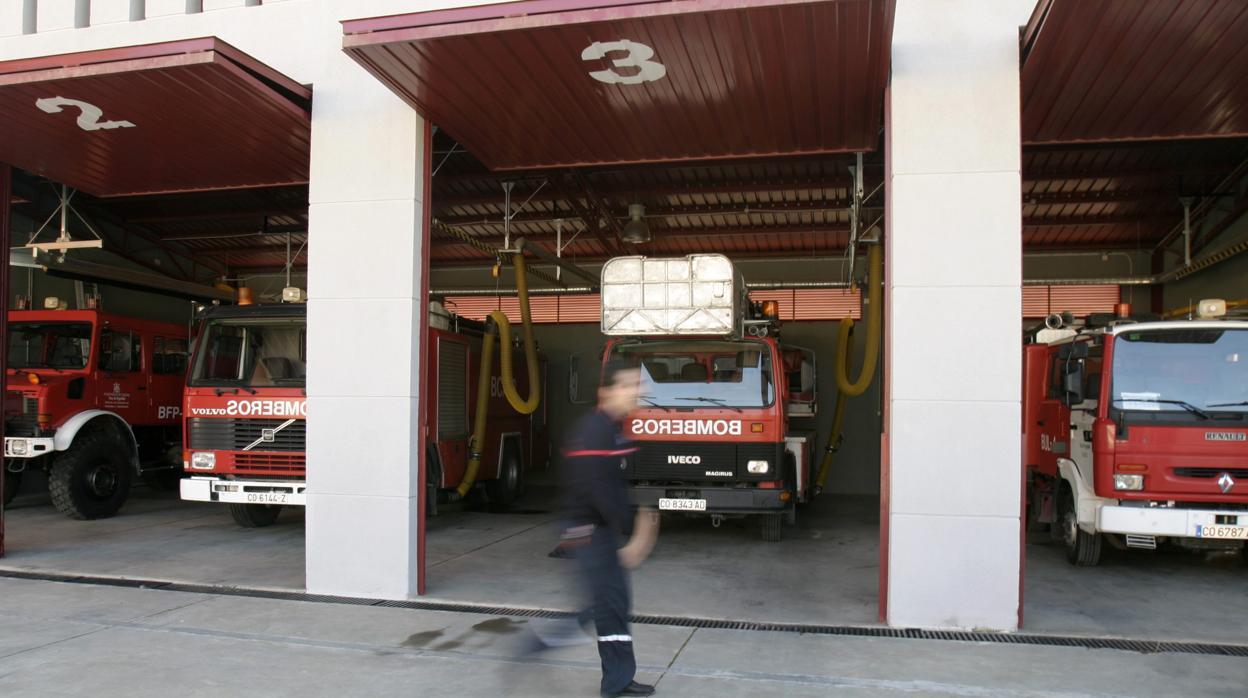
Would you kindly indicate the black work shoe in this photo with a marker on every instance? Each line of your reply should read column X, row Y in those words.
column 632, row 689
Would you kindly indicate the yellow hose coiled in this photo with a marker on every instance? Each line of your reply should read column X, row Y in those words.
column 501, row 327
column 844, row 349
column 874, row 331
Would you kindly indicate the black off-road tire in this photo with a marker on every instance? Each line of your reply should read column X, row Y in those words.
column 255, row 515
column 92, row 479
column 772, row 527
column 433, row 481
column 509, row 485
column 12, row 483
column 1083, row 549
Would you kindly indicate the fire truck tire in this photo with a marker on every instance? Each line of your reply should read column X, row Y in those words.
column 509, row 485
column 433, row 480
column 772, row 527
column 255, row 515
column 91, row 480
column 12, row 483
column 1083, row 549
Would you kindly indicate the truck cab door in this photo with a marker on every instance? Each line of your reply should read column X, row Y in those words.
column 166, row 379
column 121, row 385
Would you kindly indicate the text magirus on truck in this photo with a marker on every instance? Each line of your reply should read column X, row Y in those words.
column 718, row 388
column 1135, row 431
column 94, row 399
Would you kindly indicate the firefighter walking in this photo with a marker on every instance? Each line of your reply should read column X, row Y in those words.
column 598, row 509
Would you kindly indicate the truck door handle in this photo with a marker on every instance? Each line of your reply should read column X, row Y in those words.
column 141, row 387
column 1040, row 423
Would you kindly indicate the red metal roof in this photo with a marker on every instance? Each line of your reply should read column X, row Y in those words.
column 539, row 84
column 176, row 116
column 1113, row 70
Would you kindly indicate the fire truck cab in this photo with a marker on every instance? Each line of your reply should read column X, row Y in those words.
column 718, row 389
column 1137, row 433
column 94, row 399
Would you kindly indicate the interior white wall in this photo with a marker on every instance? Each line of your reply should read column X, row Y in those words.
column 953, row 127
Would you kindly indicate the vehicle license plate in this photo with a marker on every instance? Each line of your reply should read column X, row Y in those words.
column 1231, row 532
column 682, row 504
column 267, row 498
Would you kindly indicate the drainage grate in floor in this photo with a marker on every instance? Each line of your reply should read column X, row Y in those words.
column 1110, row 643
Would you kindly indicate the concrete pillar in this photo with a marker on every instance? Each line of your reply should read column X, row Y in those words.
column 366, row 278
column 953, row 175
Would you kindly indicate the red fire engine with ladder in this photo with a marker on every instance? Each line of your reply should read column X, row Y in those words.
column 1136, row 432
column 246, row 410
column 718, row 390
column 93, row 399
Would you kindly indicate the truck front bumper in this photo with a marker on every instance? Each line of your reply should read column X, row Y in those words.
column 211, row 489
column 719, row 500
column 27, row 446
column 1157, row 521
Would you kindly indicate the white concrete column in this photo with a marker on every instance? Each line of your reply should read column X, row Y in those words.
column 954, row 284
column 365, row 281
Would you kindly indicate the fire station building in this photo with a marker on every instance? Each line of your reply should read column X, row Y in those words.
column 1006, row 161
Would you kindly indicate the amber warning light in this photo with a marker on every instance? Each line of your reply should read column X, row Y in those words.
column 771, row 309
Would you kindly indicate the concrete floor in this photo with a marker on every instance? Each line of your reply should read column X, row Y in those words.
column 74, row 640
column 825, row 571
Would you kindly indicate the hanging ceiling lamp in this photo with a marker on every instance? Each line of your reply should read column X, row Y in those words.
column 636, row 231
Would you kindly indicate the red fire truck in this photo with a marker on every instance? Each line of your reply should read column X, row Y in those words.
column 1136, row 433
column 93, row 399
column 717, row 394
column 246, row 409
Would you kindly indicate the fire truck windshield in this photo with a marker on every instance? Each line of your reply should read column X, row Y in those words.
column 60, row 345
column 262, row 352
column 1167, row 370
column 702, row 374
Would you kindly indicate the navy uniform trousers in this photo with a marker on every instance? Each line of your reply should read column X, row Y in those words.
column 609, row 603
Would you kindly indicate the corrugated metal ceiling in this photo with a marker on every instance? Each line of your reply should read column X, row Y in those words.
column 178, row 116
column 540, row 85
column 1121, row 70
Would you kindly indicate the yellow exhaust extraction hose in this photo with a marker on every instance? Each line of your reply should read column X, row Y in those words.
column 874, row 330
column 838, row 423
column 844, row 352
column 501, row 327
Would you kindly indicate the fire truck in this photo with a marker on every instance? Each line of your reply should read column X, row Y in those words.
column 93, row 399
column 1135, row 432
column 245, row 412
column 718, row 390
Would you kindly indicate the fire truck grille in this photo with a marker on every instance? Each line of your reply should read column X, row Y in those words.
column 1206, row 473
column 269, row 462
column 692, row 461
column 26, row 423
column 210, row 434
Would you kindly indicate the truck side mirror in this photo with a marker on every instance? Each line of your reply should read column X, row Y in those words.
column 583, row 374
column 1074, row 383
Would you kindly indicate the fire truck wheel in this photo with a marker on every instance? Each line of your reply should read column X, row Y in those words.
column 509, row 485
column 772, row 526
column 12, row 483
column 1083, row 549
column 255, row 515
column 92, row 479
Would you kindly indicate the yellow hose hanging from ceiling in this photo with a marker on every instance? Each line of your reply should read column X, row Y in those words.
column 874, row 331
column 501, row 327
column 844, row 349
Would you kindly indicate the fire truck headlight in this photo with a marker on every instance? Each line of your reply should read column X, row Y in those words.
column 203, row 461
column 18, row 447
column 758, row 467
column 1128, row 482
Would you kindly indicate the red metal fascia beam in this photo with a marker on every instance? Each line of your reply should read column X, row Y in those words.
column 1094, row 221
column 661, row 212
column 1123, row 173
column 649, row 191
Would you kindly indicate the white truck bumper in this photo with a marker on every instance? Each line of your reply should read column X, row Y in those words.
column 27, row 446
column 1175, row 523
column 211, row 489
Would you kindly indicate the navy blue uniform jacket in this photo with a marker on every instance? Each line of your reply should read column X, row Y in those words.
column 596, row 491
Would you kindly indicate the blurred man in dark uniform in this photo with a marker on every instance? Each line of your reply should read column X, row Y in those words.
column 600, row 515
